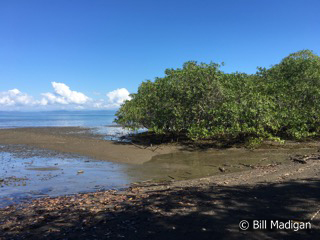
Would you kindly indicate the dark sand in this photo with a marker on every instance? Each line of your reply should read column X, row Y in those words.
column 81, row 141
column 206, row 208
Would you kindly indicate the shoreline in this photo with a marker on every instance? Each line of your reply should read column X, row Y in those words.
column 80, row 141
column 205, row 208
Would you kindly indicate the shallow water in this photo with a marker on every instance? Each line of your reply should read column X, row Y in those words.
column 115, row 133
column 25, row 178
column 48, row 173
column 56, row 119
column 99, row 122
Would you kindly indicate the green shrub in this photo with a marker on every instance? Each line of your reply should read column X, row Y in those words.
column 202, row 102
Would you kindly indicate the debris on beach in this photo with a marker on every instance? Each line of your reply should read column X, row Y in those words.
column 304, row 158
column 13, row 181
column 91, row 208
column 156, row 208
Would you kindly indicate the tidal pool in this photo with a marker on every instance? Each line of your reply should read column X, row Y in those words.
column 26, row 178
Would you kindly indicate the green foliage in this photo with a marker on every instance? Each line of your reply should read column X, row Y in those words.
column 203, row 102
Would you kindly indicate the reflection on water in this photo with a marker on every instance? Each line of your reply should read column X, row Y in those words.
column 116, row 133
column 23, row 178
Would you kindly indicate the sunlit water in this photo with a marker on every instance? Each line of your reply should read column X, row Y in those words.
column 25, row 178
column 100, row 122
column 38, row 176
column 56, row 119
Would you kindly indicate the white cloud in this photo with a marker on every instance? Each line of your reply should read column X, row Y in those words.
column 14, row 92
column 118, row 96
column 63, row 95
column 14, row 97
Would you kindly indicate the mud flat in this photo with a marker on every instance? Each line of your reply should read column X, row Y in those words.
column 261, row 184
column 27, row 172
column 84, row 141
column 81, row 141
column 205, row 208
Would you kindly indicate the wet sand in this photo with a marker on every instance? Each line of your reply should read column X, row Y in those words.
column 83, row 141
column 80, row 141
column 206, row 208
column 27, row 172
column 202, row 208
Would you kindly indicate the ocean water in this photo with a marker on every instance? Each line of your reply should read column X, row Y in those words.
column 57, row 119
column 40, row 176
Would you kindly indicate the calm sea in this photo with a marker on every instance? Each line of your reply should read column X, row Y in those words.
column 56, row 119
column 41, row 176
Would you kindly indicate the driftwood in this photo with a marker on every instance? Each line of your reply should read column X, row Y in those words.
column 145, row 147
column 304, row 158
column 247, row 165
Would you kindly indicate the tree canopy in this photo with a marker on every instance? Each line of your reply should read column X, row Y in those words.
column 202, row 102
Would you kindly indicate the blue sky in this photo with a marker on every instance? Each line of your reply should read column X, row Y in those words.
column 95, row 47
